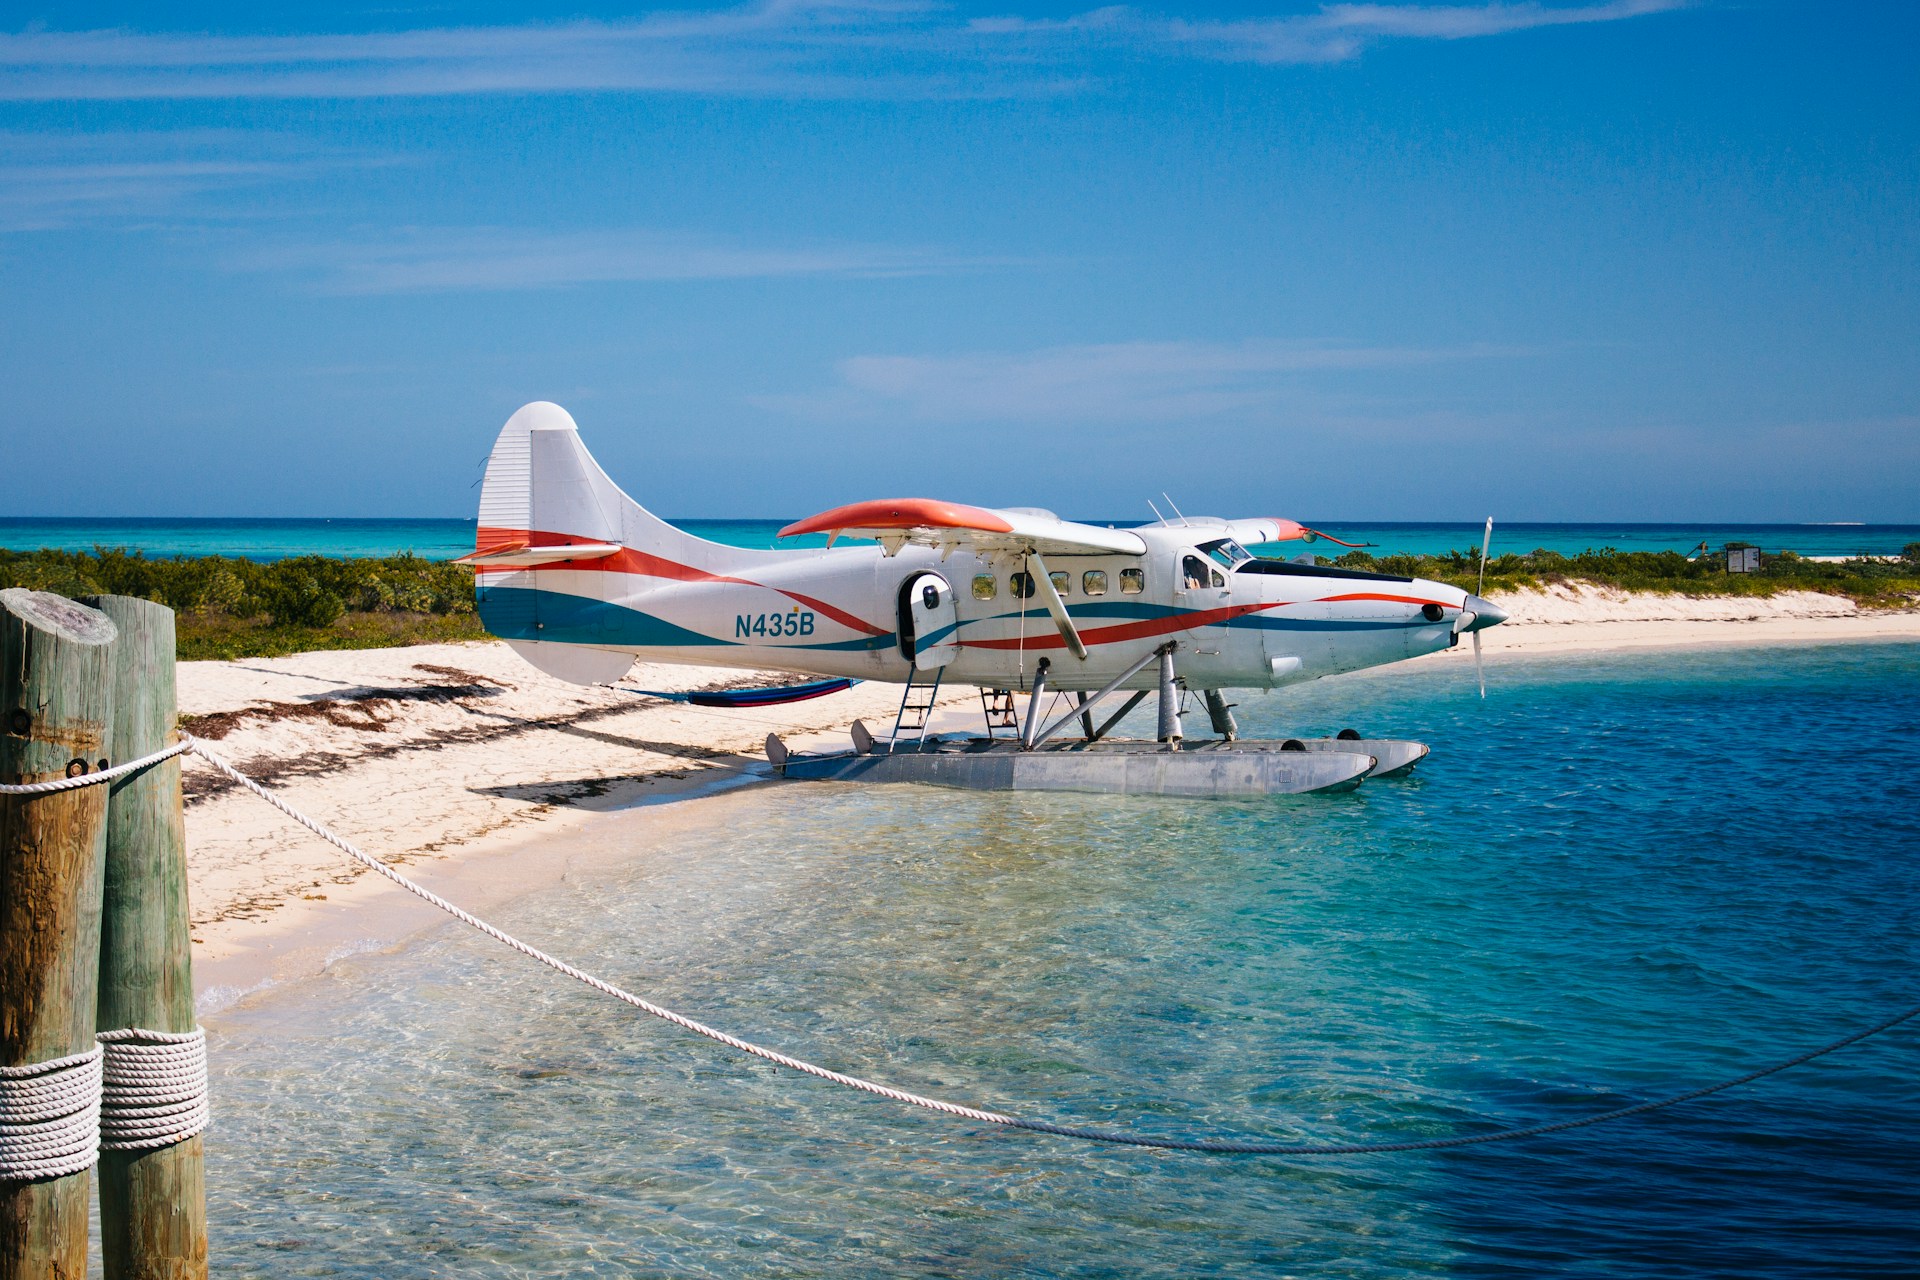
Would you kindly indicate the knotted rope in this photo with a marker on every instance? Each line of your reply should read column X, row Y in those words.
column 135, row 1090
column 49, row 1117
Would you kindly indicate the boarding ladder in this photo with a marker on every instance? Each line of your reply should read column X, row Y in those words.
column 916, row 707
column 1001, row 713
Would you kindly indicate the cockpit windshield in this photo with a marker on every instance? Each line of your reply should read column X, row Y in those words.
column 1226, row 552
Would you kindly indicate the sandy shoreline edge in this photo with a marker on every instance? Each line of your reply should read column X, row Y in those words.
column 486, row 780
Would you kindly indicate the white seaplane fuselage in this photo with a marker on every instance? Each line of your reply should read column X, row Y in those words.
column 582, row 581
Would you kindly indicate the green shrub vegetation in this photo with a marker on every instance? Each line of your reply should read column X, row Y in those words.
column 1870, row 582
column 232, row 608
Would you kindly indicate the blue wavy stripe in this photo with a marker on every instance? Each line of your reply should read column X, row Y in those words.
column 511, row 612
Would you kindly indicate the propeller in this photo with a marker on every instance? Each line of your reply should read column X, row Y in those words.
column 1479, row 592
column 1469, row 617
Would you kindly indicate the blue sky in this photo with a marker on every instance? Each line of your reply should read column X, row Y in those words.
column 1625, row 259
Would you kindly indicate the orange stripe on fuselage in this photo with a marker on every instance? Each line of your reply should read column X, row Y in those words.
column 1368, row 595
column 1151, row 627
column 1119, row 632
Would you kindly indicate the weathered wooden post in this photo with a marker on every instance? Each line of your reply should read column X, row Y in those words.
column 56, row 711
column 153, row 1213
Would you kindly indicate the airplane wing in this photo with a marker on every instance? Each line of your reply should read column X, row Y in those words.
column 895, row 522
column 1251, row 532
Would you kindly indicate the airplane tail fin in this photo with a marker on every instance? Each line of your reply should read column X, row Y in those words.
column 543, row 491
column 543, row 488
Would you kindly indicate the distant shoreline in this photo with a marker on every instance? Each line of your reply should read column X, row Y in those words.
column 445, row 538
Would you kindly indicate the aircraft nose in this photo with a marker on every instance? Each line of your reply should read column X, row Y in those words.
column 1485, row 613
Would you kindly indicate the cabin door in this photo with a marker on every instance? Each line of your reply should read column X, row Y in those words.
column 929, row 622
column 1199, row 585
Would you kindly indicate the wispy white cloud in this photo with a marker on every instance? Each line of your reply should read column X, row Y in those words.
column 49, row 182
column 1333, row 33
column 1128, row 382
column 440, row 260
column 875, row 48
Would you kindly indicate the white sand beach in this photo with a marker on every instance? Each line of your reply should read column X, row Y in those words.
column 464, row 764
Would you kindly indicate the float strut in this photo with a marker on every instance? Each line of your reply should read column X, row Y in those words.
column 1222, row 716
column 1084, row 710
column 1032, row 726
column 1169, row 701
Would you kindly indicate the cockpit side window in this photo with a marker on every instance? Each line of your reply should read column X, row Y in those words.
column 1226, row 552
column 1196, row 573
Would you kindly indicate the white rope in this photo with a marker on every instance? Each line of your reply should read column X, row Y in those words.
column 580, row 975
column 49, row 1117
column 154, row 1088
column 1226, row 1145
column 98, row 776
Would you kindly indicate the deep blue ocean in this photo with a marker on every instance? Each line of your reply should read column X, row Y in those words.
column 1617, row 877
column 444, row 539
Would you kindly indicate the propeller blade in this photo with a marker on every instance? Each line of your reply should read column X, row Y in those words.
column 1479, row 670
column 1466, row 619
column 1485, row 543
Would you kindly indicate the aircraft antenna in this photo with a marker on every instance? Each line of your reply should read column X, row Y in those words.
column 1175, row 506
column 1156, row 511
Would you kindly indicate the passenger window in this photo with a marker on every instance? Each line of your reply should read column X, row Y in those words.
column 1062, row 581
column 1218, row 581
column 1094, row 582
column 983, row 586
column 1133, row 581
column 1021, row 584
column 1193, row 573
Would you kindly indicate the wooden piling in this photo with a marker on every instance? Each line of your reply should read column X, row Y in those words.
column 153, row 1204
column 56, row 712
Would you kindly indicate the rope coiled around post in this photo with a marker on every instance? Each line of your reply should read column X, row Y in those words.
column 50, row 1117
column 135, row 1090
column 1218, row 1146
column 153, row 1088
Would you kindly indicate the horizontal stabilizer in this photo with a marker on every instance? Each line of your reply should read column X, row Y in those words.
column 521, row 553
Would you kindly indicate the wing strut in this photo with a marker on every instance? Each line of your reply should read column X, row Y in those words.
column 1043, row 583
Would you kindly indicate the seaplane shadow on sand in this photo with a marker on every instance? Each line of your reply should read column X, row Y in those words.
column 581, row 580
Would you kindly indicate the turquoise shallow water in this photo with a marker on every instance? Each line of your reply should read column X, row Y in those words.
column 1618, row 877
column 444, row 539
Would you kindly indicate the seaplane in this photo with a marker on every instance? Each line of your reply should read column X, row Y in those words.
column 582, row 581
